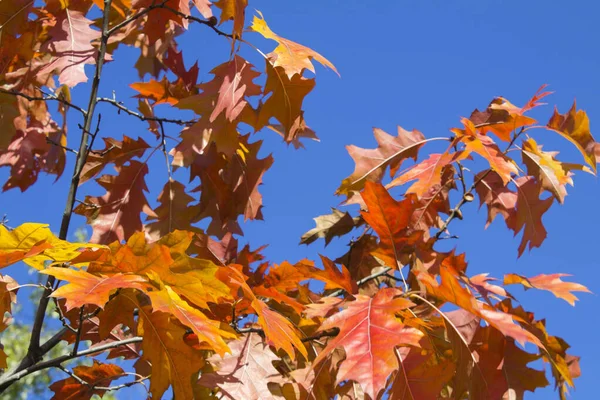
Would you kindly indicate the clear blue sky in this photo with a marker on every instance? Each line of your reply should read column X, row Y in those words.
column 418, row 64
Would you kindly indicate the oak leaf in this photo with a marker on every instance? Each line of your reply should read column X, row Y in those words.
column 503, row 118
column 428, row 173
column 291, row 56
column 70, row 44
column 391, row 220
column 369, row 333
column 483, row 145
column 529, row 211
column 284, row 104
column 85, row 288
column 371, row 164
column 552, row 283
column 36, row 246
column 245, row 373
column 207, row 330
column 115, row 151
column 173, row 362
column 174, row 211
column 329, row 226
column 116, row 215
column 496, row 195
column 575, row 127
column 227, row 92
column 235, row 10
column 96, row 376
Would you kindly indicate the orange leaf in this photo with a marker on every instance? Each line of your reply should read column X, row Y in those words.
column 291, row 56
column 484, row 146
column 207, row 330
column 551, row 283
column 369, row 333
column 575, row 126
column 428, row 173
column 97, row 375
column 391, row 220
column 85, row 288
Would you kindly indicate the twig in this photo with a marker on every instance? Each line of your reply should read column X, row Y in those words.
column 62, row 317
column 82, row 381
column 33, row 353
column 121, row 107
column 468, row 195
column 326, row 333
column 362, row 281
column 7, row 379
column 210, row 23
column 135, row 17
column 49, row 97
column 79, row 330
column 54, row 143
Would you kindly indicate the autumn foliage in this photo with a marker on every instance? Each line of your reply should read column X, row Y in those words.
column 394, row 317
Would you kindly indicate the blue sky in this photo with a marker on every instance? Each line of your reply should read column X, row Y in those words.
column 418, row 64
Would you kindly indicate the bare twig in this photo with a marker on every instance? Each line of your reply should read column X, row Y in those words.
column 82, row 381
column 62, row 317
column 49, row 97
column 208, row 22
column 52, row 142
column 121, row 107
column 468, row 195
column 135, row 17
column 79, row 330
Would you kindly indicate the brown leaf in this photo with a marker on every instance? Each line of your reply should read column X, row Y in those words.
column 174, row 211
column 528, row 216
column 116, row 152
column 575, row 127
column 496, row 195
column 116, row 215
column 329, row 226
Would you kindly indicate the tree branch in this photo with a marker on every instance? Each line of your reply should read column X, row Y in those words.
column 10, row 378
column 34, row 353
column 121, row 107
column 50, row 97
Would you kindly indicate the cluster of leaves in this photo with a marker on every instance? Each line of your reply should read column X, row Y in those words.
column 201, row 316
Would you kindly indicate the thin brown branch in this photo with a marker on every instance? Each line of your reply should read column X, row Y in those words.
column 79, row 330
column 82, row 381
column 208, row 22
column 49, row 97
column 53, row 143
column 34, row 353
column 468, row 195
column 9, row 378
column 62, row 317
column 326, row 333
column 362, row 281
column 135, row 17
column 121, row 107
